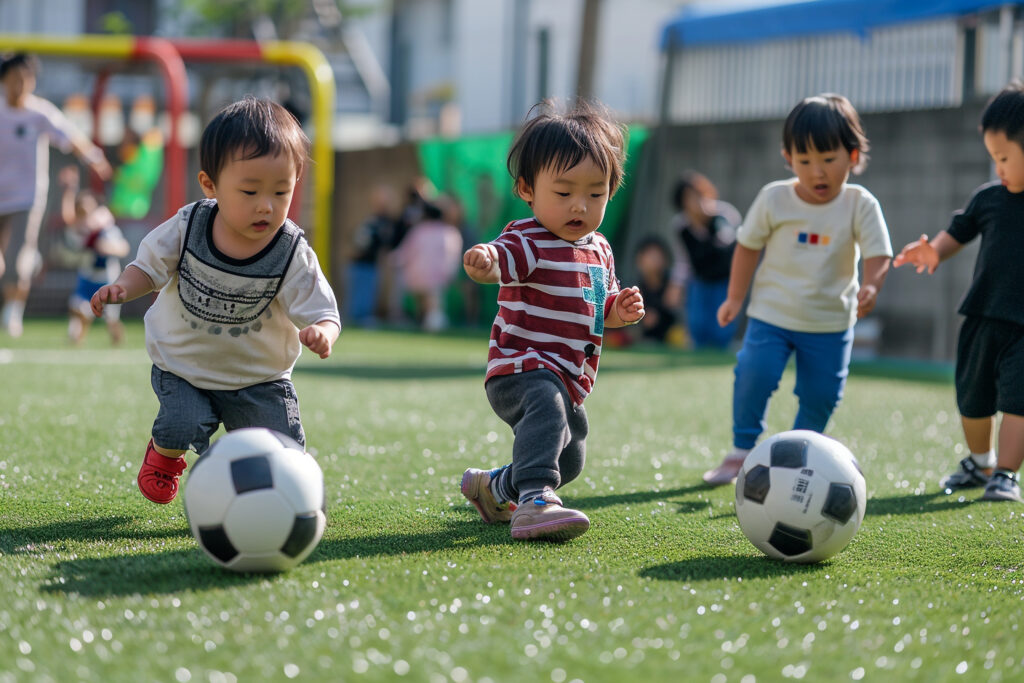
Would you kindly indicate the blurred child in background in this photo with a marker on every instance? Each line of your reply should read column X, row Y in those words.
column 558, row 293
column 811, row 231
column 90, row 230
column 653, row 265
column 428, row 258
column 241, row 291
column 990, row 349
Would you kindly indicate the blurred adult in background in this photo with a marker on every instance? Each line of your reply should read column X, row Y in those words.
column 28, row 125
column 369, row 244
column 428, row 258
column 704, row 236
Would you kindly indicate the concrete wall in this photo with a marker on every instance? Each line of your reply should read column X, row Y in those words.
column 923, row 166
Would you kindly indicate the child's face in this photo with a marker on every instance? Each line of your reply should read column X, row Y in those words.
column 18, row 82
column 820, row 175
column 650, row 262
column 1009, row 159
column 569, row 203
column 253, row 196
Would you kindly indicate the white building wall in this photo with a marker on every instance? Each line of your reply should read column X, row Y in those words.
column 482, row 56
column 55, row 17
column 496, row 78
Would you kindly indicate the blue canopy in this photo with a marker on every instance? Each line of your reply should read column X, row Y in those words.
column 713, row 25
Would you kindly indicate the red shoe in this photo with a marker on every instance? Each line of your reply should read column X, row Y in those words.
column 158, row 476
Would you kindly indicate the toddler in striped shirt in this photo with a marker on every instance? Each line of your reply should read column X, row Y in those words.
column 558, row 292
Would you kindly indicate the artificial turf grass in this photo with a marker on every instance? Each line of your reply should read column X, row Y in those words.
column 408, row 582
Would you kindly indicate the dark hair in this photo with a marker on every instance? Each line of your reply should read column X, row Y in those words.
column 251, row 128
column 653, row 242
column 560, row 141
column 692, row 180
column 17, row 60
column 826, row 122
column 1004, row 113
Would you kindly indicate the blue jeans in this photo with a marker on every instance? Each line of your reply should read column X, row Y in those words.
column 703, row 297
column 361, row 294
column 822, row 365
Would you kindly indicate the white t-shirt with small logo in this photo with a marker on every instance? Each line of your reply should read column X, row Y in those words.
column 25, row 136
column 807, row 280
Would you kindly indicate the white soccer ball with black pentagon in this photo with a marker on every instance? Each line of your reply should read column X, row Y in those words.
column 255, row 501
column 800, row 496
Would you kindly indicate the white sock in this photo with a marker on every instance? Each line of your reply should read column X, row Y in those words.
column 13, row 310
column 738, row 453
column 526, row 496
column 984, row 460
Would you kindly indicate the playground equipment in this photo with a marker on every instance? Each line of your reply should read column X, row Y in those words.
column 170, row 56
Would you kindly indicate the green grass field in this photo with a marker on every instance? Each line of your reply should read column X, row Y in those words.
column 98, row 584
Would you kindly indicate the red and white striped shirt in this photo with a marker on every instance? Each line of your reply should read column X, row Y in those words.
column 552, row 303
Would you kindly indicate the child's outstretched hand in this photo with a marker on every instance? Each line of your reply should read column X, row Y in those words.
column 728, row 311
column 480, row 263
column 919, row 253
column 629, row 305
column 318, row 339
column 866, row 298
column 107, row 294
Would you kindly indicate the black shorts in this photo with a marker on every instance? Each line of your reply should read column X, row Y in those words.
column 990, row 367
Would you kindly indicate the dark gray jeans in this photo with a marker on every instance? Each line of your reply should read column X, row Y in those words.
column 550, row 432
column 189, row 416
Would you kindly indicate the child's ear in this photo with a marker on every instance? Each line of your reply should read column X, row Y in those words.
column 206, row 182
column 524, row 191
column 786, row 155
column 854, row 156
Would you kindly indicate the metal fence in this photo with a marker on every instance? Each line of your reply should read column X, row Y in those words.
column 923, row 65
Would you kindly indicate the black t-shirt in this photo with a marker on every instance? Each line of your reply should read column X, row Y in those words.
column 997, row 215
column 710, row 253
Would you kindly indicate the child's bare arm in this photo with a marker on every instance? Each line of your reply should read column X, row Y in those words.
column 874, row 271
column 69, row 179
column 744, row 263
column 927, row 255
column 481, row 264
column 320, row 337
column 131, row 284
column 627, row 310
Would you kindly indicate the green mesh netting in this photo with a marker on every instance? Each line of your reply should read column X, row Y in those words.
column 473, row 169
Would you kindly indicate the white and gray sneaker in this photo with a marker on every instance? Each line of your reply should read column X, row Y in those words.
column 1002, row 486
column 966, row 476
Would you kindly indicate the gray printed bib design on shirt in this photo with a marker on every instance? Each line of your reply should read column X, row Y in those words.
column 221, row 294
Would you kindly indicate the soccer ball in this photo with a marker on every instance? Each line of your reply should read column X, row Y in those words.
column 255, row 501
column 800, row 496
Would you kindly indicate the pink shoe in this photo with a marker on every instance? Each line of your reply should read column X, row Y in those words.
column 158, row 476
column 476, row 488
column 544, row 519
column 726, row 472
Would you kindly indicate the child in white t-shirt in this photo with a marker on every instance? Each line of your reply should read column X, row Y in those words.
column 28, row 126
column 240, row 293
column 811, row 231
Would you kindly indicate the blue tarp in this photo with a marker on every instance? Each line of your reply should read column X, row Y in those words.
column 711, row 25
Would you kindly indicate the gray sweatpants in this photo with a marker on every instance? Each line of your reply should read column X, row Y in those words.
column 550, row 432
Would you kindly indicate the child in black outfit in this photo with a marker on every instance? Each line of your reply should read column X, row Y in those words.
column 990, row 350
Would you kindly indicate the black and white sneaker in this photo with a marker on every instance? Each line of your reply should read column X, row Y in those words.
column 967, row 476
column 1002, row 486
